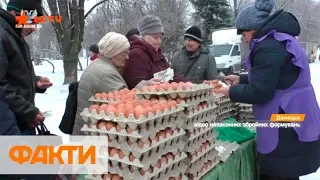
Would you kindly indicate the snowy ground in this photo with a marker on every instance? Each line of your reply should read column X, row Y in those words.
column 54, row 99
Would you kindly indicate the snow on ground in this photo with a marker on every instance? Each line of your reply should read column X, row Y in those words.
column 55, row 97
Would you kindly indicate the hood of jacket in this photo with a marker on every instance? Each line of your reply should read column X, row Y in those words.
column 282, row 22
column 136, row 42
column 9, row 22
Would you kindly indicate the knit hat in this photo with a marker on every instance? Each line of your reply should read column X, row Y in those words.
column 113, row 44
column 253, row 17
column 18, row 5
column 132, row 32
column 150, row 25
column 94, row 48
column 193, row 33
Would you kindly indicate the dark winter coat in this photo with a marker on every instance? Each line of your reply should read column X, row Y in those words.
column 17, row 76
column 8, row 120
column 143, row 62
column 272, row 69
column 198, row 67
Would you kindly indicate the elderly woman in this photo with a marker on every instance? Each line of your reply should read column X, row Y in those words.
column 278, row 82
column 146, row 57
column 103, row 75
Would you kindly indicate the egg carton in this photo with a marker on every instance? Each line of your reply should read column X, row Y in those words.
column 172, row 175
column 133, row 173
column 192, row 104
column 225, row 149
column 195, row 156
column 150, row 155
column 194, row 145
column 246, row 116
column 131, row 121
column 224, row 116
column 190, row 124
column 102, row 100
column 142, row 131
column 226, row 110
column 194, row 90
column 200, row 111
column 194, row 167
column 226, row 104
column 243, row 105
column 249, row 110
column 156, row 148
column 198, row 132
column 209, row 165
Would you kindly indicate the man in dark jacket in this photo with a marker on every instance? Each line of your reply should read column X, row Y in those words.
column 194, row 61
column 7, row 119
column 278, row 82
column 17, row 76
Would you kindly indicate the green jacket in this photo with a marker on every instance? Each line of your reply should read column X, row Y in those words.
column 198, row 67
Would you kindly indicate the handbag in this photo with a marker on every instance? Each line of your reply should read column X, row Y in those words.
column 43, row 131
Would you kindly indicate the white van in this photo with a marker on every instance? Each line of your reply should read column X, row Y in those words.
column 228, row 50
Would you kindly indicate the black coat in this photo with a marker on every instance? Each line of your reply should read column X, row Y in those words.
column 272, row 69
column 7, row 118
column 17, row 76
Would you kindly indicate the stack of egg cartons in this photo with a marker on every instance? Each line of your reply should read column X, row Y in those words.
column 225, row 105
column 145, row 138
column 199, row 110
column 244, row 112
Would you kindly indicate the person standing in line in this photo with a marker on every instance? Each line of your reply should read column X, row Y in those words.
column 93, row 52
column 194, row 61
column 145, row 55
column 278, row 82
column 17, row 76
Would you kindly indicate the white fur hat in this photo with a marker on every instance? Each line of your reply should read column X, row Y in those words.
column 113, row 44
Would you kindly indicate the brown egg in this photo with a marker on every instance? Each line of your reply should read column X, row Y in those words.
column 110, row 96
column 91, row 125
column 116, row 177
column 158, row 164
column 121, row 166
column 180, row 177
column 140, row 143
column 110, row 109
column 102, row 124
column 131, row 157
column 113, row 152
column 129, row 142
column 138, row 114
column 118, row 128
column 172, row 178
column 142, row 172
column 106, row 176
column 164, row 160
column 148, row 110
column 129, row 130
column 109, row 139
column 174, row 86
column 150, row 170
column 94, row 106
column 169, row 131
column 162, row 134
column 110, row 125
column 98, row 95
column 121, row 154
column 156, row 138
column 131, row 169
column 145, row 89
column 120, row 111
column 169, row 156
column 152, row 88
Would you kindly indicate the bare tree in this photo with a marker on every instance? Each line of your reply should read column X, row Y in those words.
column 69, row 32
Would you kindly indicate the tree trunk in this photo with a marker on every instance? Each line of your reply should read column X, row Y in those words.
column 70, row 63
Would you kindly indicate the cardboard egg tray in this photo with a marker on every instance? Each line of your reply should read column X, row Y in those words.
column 190, row 124
column 103, row 101
column 130, row 121
column 224, row 116
column 207, row 167
column 211, row 155
column 243, row 105
column 200, row 153
column 195, row 90
column 193, row 102
column 133, row 173
column 246, row 115
column 195, row 144
column 224, row 99
column 196, row 132
column 143, row 131
column 201, row 111
column 225, row 149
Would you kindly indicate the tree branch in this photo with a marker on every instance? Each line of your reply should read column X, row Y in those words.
column 93, row 7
